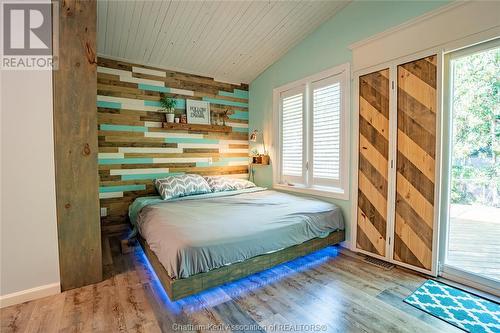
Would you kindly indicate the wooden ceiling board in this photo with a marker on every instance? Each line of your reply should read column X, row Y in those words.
column 233, row 41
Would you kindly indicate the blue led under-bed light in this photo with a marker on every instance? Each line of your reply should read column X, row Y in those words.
column 218, row 295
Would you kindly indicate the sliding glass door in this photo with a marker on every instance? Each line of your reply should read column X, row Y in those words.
column 470, row 241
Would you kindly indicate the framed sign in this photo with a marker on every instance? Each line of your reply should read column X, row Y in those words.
column 198, row 112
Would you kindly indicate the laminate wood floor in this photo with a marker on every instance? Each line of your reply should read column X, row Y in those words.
column 329, row 291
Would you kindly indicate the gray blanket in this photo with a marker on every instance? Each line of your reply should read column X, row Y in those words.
column 194, row 236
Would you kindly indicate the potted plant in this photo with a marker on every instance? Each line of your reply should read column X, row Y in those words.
column 168, row 107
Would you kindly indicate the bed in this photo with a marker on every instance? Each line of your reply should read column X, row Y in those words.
column 201, row 241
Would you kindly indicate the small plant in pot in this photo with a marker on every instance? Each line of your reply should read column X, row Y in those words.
column 168, row 107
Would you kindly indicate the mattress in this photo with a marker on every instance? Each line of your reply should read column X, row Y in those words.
column 199, row 233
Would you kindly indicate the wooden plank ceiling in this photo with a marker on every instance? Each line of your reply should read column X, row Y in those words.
column 232, row 41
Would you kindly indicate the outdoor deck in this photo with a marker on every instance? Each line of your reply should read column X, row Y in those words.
column 474, row 240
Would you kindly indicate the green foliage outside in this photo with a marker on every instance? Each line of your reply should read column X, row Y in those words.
column 476, row 129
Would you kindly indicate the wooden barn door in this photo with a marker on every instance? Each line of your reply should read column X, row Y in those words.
column 416, row 154
column 373, row 162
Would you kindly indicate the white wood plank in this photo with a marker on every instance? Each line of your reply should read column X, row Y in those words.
column 184, row 37
column 102, row 12
column 148, row 36
column 181, row 13
column 233, row 40
column 134, row 28
column 208, row 11
column 156, row 34
column 220, row 25
column 232, row 36
column 109, row 195
column 110, row 26
column 237, row 47
column 146, row 17
column 165, row 32
column 278, row 16
column 125, row 28
column 265, row 43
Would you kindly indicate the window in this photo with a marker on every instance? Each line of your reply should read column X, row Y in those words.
column 312, row 131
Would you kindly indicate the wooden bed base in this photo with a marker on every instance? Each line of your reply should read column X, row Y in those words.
column 179, row 288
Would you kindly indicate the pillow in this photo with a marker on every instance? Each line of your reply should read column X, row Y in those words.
column 181, row 185
column 221, row 183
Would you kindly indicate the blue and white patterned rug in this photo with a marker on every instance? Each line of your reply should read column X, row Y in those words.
column 462, row 309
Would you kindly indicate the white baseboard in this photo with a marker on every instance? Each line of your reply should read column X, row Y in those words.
column 346, row 244
column 30, row 294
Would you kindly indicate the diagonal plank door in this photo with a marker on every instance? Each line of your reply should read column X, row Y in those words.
column 416, row 153
column 373, row 165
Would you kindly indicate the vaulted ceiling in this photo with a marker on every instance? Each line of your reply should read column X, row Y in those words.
column 229, row 40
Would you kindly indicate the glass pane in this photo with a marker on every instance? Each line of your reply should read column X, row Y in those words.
column 474, row 226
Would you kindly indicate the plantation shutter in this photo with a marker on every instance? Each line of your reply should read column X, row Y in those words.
column 292, row 127
column 326, row 131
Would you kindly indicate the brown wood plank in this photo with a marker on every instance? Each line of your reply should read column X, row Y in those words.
column 424, row 70
column 415, row 176
column 374, row 137
column 75, row 135
column 414, row 221
column 197, row 127
column 373, row 161
column 374, row 88
column 372, row 174
column 423, row 138
column 363, row 243
column 180, row 288
column 417, row 112
column 372, row 214
column 404, row 254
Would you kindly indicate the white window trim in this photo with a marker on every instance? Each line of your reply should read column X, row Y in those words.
column 341, row 192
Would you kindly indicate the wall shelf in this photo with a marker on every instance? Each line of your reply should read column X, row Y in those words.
column 259, row 165
column 198, row 127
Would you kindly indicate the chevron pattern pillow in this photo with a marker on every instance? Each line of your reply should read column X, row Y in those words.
column 220, row 183
column 181, row 185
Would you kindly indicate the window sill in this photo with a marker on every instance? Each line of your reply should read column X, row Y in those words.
column 332, row 193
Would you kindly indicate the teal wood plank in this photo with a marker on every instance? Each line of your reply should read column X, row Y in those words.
column 109, row 105
column 150, row 175
column 242, row 115
column 121, row 188
column 211, row 164
column 224, row 102
column 139, row 160
column 151, row 87
column 123, row 128
column 237, row 93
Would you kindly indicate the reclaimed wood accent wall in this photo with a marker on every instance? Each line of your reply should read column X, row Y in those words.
column 135, row 148
column 75, row 136
column 373, row 162
column 416, row 153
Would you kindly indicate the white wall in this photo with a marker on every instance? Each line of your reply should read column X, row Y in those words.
column 29, row 266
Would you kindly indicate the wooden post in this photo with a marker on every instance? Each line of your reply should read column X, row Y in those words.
column 75, row 131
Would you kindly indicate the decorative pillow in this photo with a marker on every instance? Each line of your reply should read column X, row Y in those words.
column 181, row 185
column 221, row 183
